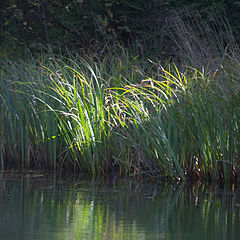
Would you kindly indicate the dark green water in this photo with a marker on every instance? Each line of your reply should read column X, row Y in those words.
column 40, row 207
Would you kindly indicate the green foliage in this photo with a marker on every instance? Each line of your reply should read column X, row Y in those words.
column 128, row 117
column 83, row 25
column 113, row 110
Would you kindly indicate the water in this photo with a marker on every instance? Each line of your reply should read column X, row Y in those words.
column 43, row 207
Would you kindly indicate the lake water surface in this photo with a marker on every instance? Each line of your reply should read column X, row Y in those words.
column 36, row 206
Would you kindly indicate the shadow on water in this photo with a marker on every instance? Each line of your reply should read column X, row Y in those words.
column 39, row 206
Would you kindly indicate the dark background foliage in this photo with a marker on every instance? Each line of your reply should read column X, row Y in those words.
column 90, row 24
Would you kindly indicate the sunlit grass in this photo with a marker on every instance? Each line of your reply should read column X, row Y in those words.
column 120, row 115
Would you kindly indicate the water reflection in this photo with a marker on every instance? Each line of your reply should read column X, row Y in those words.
column 40, row 207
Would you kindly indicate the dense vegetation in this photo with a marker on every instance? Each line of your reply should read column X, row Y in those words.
column 117, row 90
column 84, row 26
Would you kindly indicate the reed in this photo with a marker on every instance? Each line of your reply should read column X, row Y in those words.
column 120, row 115
column 25, row 124
column 197, row 131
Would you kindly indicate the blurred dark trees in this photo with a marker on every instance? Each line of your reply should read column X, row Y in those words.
column 85, row 24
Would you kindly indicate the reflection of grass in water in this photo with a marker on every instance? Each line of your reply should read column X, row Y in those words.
column 125, row 115
column 61, row 210
column 208, row 213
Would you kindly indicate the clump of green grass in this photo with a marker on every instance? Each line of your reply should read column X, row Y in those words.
column 26, row 125
column 192, row 131
column 120, row 115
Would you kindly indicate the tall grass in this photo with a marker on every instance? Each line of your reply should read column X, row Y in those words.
column 198, row 134
column 25, row 124
column 120, row 115
column 198, row 42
